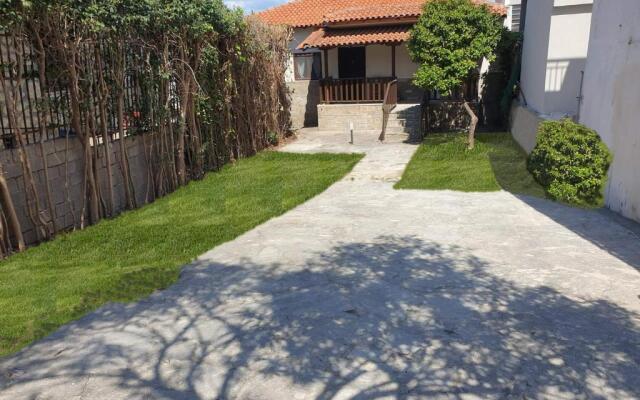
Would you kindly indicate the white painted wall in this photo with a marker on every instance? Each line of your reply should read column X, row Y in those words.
column 611, row 102
column 554, row 52
column 378, row 61
column 566, row 56
column 534, row 52
column 405, row 68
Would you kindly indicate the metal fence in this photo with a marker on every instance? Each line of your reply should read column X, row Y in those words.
column 35, row 100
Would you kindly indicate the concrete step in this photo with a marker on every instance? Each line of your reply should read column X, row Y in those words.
column 402, row 123
column 410, row 131
column 403, row 115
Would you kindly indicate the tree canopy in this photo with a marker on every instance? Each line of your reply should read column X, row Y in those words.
column 449, row 41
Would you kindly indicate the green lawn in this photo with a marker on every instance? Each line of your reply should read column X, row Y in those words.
column 129, row 257
column 443, row 162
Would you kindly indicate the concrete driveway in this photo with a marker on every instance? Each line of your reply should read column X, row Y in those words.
column 366, row 292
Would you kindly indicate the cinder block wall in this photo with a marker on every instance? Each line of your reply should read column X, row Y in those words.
column 65, row 164
column 336, row 117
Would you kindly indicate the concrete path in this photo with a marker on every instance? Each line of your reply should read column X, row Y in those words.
column 366, row 292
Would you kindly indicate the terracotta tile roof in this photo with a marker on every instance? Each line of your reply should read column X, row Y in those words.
column 382, row 11
column 306, row 13
column 325, row 38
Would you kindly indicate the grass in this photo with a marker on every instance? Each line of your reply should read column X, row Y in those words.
column 497, row 162
column 131, row 256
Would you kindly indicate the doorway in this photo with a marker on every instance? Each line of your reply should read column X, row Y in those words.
column 352, row 62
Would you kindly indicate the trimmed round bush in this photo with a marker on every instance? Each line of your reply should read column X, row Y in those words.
column 570, row 161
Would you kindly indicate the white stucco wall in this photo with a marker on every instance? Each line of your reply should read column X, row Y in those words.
column 611, row 102
column 378, row 61
column 534, row 52
column 566, row 56
column 555, row 47
column 405, row 68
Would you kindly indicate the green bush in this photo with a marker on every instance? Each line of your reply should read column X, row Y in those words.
column 570, row 161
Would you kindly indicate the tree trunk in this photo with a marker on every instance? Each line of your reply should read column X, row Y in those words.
column 9, row 210
column 76, row 125
column 119, row 75
column 182, row 128
column 472, row 125
column 43, row 120
column 124, row 160
column 102, row 93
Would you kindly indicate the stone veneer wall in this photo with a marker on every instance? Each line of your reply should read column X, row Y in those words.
column 337, row 117
column 66, row 171
column 305, row 99
column 305, row 96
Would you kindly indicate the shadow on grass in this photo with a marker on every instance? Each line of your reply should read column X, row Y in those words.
column 397, row 317
column 509, row 165
column 497, row 162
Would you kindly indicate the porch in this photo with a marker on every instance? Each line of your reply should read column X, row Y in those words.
column 358, row 65
column 358, row 90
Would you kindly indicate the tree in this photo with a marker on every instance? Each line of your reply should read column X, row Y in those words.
column 449, row 42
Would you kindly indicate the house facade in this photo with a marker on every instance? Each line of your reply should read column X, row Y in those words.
column 611, row 97
column 347, row 52
column 554, row 54
column 581, row 60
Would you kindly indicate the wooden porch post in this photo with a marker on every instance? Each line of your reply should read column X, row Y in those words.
column 393, row 61
column 325, row 56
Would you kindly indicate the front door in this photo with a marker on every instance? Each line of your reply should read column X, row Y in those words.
column 351, row 62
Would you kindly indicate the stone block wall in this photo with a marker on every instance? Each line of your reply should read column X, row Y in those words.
column 65, row 164
column 305, row 96
column 336, row 117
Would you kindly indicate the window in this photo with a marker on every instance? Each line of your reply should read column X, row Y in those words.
column 307, row 66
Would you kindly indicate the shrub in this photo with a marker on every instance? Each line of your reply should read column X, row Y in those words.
column 570, row 161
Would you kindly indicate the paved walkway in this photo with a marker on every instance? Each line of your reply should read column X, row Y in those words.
column 366, row 292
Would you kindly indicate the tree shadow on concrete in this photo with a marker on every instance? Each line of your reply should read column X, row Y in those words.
column 394, row 318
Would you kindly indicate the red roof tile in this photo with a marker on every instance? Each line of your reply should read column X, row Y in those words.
column 322, row 38
column 382, row 11
column 305, row 13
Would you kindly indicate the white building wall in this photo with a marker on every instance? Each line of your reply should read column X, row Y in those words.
column 611, row 102
column 566, row 56
column 405, row 67
column 556, row 43
column 378, row 61
column 332, row 55
column 534, row 52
